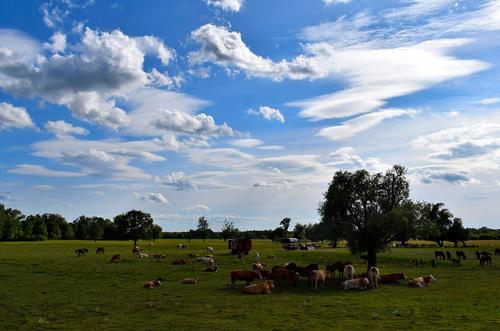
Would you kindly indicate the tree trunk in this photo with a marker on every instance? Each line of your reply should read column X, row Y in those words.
column 372, row 258
column 456, row 244
column 135, row 242
column 334, row 243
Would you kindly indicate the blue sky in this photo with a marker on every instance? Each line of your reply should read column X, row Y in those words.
column 244, row 109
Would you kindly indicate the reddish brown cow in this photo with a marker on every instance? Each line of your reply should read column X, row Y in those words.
column 246, row 276
column 266, row 274
column 180, row 262
column 392, row 278
column 282, row 274
column 116, row 258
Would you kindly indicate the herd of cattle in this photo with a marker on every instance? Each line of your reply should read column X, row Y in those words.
column 484, row 257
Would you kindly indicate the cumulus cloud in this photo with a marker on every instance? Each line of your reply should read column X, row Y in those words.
column 362, row 123
column 268, row 113
column 64, row 129
column 152, row 197
column 57, row 43
column 228, row 5
column 14, row 117
column 178, row 180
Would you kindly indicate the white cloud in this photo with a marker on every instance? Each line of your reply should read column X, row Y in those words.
column 198, row 208
column 362, row 123
column 6, row 196
column 153, row 198
column 335, row 2
column 178, row 181
column 14, row 117
column 246, row 143
column 177, row 122
column 43, row 187
column 37, row 170
column 64, row 129
column 268, row 113
column 488, row 101
column 57, row 43
column 228, row 5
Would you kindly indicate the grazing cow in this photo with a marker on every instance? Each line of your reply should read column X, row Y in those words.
column 211, row 269
column 497, row 251
column 180, row 262
column 455, row 261
column 158, row 256
column 116, row 258
column 81, row 251
column 478, row 255
column 152, row 284
column 358, row 284
column 421, row 281
column 191, row 280
column 392, row 278
column 210, row 249
column 284, row 275
column 485, row 259
column 99, row 250
column 264, row 288
column 143, row 255
column 349, row 271
column 461, row 255
column 246, row 276
column 448, row 255
column 317, row 277
column 257, row 267
column 438, row 254
column 374, row 276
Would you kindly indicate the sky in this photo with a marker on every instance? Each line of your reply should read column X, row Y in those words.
column 243, row 110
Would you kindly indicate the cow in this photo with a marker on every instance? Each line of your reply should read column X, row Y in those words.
column 136, row 250
column 81, row 251
column 284, row 275
column 266, row 274
column 349, row 271
column 143, row 255
column 180, row 262
column 193, row 255
column 438, row 254
column 461, row 255
column 485, row 259
column 264, row 288
column 246, row 276
column 392, row 278
column 206, row 260
column 257, row 267
column 456, row 262
column 152, row 284
column 179, row 246
column 211, row 269
column 303, row 272
column 191, row 280
column 158, row 255
column 448, row 255
column 478, row 255
column 317, row 277
column 374, row 276
column 358, row 283
column 420, row 282
column 99, row 250
column 116, row 258
column 210, row 249
column 337, row 267
column 497, row 251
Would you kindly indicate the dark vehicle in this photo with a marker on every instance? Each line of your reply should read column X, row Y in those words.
column 290, row 244
column 239, row 246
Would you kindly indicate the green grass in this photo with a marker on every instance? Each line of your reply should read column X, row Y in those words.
column 43, row 285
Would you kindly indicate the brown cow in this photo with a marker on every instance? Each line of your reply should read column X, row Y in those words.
column 180, row 262
column 246, row 276
column 190, row 280
column 421, row 281
column 99, row 250
column 439, row 254
column 116, row 258
column 264, row 288
column 152, row 284
column 485, row 259
column 317, row 277
column 158, row 256
column 282, row 274
column 392, row 278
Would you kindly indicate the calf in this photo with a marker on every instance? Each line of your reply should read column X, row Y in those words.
column 349, row 271
column 358, row 283
column 116, row 258
column 421, row 281
column 317, row 277
column 284, row 275
column 392, row 278
column 374, row 276
column 246, row 276
column 152, row 284
column 99, row 250
column 264, row 288
column 192, row 280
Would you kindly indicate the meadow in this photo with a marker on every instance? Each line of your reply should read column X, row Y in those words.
column 44, row 285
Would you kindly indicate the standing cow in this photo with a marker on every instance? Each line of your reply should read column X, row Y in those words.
column 374, row 276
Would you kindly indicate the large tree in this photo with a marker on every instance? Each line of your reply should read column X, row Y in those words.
column 10, row 223
column 132, row 225
column 364, row 207
column 203, row 230
column 228, row 230
column 434, row 222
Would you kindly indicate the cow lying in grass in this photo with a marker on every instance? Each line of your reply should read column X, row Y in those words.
column 152, row 284
column 190, row 280
column 180, row 262
column 246, row 276
column 264, row 288
column 143, row 255
column 116, row 258
column 392, row 278
column 420, row 282
column 356, row 284
column 158, row 256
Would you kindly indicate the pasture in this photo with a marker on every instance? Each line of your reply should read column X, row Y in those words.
column 44, row 285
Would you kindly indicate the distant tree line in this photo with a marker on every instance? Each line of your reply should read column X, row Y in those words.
column 133, row 225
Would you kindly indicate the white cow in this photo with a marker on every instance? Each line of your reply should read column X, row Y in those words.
column 206, row 260
column 210, row 249
column 143, row 255
column 358, row 283
column 349, row 271
column 374, row 276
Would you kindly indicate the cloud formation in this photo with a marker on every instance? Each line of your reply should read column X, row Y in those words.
column 14, row 117
column 268, row 113
column 64, row 129
column 228, row 5
column 152, row 197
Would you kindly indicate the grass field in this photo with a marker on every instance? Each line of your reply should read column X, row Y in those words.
column 43, row 285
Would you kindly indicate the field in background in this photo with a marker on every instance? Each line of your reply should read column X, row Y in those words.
column 43, row 285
